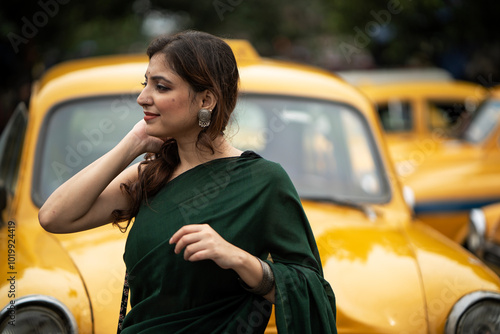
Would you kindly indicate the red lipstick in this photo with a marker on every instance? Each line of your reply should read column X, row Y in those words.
column 149, row 116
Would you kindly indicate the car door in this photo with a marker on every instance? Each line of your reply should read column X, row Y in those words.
column 11, row 143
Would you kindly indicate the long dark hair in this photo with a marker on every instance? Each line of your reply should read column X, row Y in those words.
column 205, row 62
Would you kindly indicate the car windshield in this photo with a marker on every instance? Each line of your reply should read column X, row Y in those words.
column 326, row 148
column 484, row 122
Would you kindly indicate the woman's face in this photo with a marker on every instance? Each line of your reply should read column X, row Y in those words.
column 170, row 105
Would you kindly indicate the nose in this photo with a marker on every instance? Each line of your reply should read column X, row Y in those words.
column 143, row 99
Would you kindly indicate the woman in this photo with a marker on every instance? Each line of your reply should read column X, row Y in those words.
column 219, row 234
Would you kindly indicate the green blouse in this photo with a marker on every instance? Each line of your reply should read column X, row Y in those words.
column 252, row 204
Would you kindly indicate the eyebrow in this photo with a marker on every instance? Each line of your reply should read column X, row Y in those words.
column 158, row 78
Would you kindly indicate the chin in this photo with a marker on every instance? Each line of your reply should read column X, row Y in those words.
column 157, row 134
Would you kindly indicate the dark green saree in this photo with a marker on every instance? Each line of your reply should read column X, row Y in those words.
column 252, row 204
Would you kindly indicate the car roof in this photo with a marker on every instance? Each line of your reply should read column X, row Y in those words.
column 430, row 89
column 394, row 75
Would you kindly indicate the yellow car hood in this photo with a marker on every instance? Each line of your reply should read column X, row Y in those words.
column 363, row 259
column 453, row 171
column 412, row 156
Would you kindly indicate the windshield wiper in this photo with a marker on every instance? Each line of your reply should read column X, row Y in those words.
column 367, row 210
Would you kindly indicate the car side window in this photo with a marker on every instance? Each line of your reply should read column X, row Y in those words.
column 485, row 120
column 395, row 116
column 11, row 144
column 448, row 116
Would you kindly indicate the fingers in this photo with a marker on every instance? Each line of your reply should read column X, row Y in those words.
column 193, row 253
column 191, row 243
column 196, row 240
column 185, row 230
column 202, row 242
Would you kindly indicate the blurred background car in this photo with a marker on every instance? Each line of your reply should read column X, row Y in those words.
column 390, row 273
column 417, row 108
column 460, row 174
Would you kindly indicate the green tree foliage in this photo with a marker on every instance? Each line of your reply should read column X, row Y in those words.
column 459, row 35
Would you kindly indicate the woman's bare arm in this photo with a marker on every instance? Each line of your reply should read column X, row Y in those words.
column 88, row 199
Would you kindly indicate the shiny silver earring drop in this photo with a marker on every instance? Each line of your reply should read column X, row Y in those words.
column 204, row 116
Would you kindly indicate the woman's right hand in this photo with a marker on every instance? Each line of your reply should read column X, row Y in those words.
column 148, row 144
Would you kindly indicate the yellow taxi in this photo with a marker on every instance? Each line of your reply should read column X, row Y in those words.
column 483, row 237
column 460, row 174
column 390, row 273
column 418, row 114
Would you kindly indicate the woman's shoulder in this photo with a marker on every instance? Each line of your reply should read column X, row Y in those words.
column 261, row 161
column 265, row 167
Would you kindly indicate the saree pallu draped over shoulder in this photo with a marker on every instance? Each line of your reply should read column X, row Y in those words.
column 252, row 204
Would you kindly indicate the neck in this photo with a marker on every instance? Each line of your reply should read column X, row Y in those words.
column 190, row 155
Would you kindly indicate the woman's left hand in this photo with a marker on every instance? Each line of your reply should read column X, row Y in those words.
column 201, row 242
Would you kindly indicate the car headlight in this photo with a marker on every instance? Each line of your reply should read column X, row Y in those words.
column 477, row 230
column 477, row 312
column 37, row 314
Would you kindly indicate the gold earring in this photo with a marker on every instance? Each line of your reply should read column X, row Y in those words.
column 204, row 116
